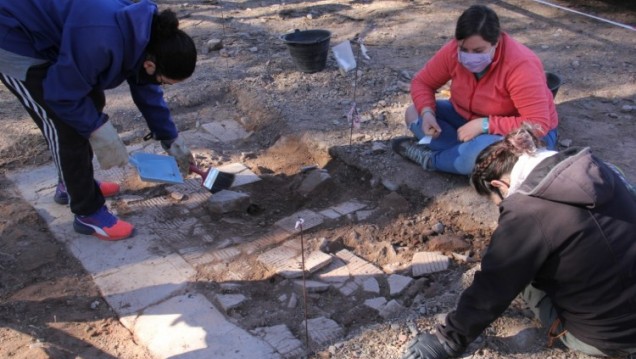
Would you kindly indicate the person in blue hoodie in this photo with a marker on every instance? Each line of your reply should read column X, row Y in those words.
column 58, row 56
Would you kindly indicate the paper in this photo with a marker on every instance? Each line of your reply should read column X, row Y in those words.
column 425, row 140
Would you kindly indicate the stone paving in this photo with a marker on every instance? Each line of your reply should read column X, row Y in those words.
column 148, row 281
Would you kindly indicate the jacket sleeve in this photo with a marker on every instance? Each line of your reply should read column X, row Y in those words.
column 83, row 58
column 529, row 93
column 149, row 100
column 431, row 77
column 516, row 253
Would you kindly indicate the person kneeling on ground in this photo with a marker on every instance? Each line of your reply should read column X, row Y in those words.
column 496, row 85
column 565, row 241
column 59, row 56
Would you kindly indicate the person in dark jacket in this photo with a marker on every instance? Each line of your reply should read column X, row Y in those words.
column 566, row 241
column 58, row 56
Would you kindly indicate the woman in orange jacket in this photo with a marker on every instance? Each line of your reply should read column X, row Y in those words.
column 496, row 85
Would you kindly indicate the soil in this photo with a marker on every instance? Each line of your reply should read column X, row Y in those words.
column 49, row 306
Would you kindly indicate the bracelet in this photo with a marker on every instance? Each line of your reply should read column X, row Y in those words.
column 427, row 110
column 485, row 125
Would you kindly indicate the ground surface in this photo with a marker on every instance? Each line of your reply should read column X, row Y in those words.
column 49, row 307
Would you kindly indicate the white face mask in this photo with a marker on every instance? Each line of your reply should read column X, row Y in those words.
column 476, row 62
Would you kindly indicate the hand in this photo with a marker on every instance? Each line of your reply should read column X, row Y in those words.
column 430, row 126
column 470, row 130
column 178, row 149
column 426, row 346
column 108, row 147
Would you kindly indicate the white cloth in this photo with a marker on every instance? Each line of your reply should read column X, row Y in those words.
column 108, row 147
column 525, row 165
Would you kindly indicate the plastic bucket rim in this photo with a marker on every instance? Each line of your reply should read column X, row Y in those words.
column 327, row 36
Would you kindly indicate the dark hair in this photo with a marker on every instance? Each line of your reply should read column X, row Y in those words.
column 500, row 157
column 172, row 50
column 478, row 20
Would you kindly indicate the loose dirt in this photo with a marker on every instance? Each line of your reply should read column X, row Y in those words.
column 49, row 306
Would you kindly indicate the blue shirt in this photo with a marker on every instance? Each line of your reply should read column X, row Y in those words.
column 91, row 45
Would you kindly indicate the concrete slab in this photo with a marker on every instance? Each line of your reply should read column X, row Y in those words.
column 330, row 213
column 189, row 327
column 391, row 309
column 348, row 288
column 398, row 283
column 311, row 219
column 375, row 303
column 282, row 339
column 225, row 131
column 243, row 175
column 283, row 261
column 228, row 201
column 357, row 266
column 348, row 207
column 312, row 286
column 230, row 301
column 268, row 239
column 323, row 331
column 336, row 272
column 371, row 285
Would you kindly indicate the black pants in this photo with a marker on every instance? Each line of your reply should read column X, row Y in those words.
column 71, row 152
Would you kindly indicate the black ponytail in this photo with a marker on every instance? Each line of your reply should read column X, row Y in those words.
column 172, row 50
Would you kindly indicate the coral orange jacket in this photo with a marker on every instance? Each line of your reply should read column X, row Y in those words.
column 513, row 90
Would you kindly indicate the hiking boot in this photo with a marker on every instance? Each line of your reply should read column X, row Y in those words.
column 408, row 148
column 108, row 189
column 103, row 225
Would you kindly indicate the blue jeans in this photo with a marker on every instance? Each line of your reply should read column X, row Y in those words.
column 453, row 156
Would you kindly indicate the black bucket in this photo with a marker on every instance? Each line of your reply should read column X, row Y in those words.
column 308, row 49
column 554, row 82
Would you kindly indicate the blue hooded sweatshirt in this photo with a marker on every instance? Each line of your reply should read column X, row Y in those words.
column 91, row 45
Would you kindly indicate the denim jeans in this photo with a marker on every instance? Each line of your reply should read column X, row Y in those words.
column 542, row 307
column 453, row 156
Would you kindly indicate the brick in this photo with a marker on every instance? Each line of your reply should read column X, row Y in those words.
column 428, row 262
column 358, row 266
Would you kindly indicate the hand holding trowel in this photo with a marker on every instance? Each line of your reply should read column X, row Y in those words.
column 213, row 180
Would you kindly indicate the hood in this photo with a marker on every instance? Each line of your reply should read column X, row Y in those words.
column 573, row 177
column 135, row 22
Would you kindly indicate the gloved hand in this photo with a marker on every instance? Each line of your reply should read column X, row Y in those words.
column 178, row 149
column 426, row 346
column 108, row 147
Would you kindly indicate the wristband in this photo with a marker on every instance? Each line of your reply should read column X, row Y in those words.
column 484, row 125
column 427, row 110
